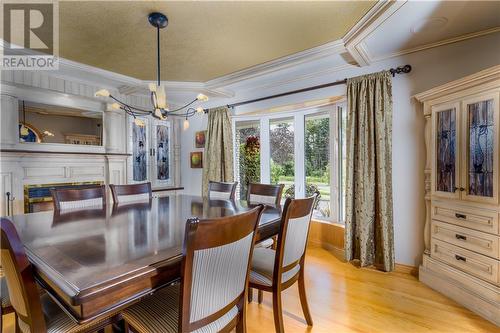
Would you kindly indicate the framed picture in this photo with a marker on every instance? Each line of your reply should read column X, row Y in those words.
column 196, row 160
column 199, row 139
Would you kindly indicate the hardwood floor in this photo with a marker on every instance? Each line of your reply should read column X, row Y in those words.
column 343, row 298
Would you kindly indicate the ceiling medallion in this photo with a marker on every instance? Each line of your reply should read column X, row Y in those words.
column 158, row 96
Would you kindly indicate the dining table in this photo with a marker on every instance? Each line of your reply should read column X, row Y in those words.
column 96, row 261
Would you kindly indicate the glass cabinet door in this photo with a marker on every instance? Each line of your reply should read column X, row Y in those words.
column 161, row 144
column 445, row 176
column 140, row 153
column 480, row 161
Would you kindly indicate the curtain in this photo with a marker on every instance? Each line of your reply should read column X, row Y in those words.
column 218, row 157
column 369, row 232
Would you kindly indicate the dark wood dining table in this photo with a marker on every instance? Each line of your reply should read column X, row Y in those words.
column 96, row 261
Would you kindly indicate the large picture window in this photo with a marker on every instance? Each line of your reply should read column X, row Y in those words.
column 303, row 149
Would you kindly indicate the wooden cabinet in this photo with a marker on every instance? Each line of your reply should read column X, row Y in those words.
column 151, row 146
column 462, row 235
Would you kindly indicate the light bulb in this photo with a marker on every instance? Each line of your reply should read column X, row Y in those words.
column 114, row 106
column 199, row 109
column 139, row 122
column 158, row 113
column 48, row 133
column 185, row 125
column 102, row 93
column 202, row 97
column 161, row 97
column 24, row 130
column 152, row 87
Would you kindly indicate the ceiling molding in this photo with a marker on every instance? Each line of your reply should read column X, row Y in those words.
column 439, row 43
column 353, row 40
column 315, row 53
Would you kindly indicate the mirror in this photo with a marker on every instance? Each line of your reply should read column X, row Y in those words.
column 41, row 123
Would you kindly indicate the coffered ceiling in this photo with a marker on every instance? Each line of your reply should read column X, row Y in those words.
column 204, row 40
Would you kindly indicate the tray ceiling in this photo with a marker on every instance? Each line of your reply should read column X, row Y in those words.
column 203, row 40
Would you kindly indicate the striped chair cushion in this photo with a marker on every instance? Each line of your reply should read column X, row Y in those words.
column 263, row 267
column 160, row 313
column 262, row 199
column 296, row 239
column 219, row 275
column 14, row 285
column 265, row 243
column 5, row 293
column 77, row 204
column 220, row 195
column 133, row 198
column 57, row 321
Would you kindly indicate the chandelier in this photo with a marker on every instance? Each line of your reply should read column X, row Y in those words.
column 160, row 108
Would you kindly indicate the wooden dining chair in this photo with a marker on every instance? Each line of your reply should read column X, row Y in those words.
column 276, row 270
column 268, row 195
column 78, row 198
column 35, row 312
column 6, row 304
column 214, row 275
column 130, row 193
column 220, row 190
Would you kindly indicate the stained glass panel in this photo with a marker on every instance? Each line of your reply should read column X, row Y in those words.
column 445, row 151
column 162, row 153
column 139, row 152
column 481, row 137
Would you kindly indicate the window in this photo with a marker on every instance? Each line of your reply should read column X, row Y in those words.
column 281, row 137
column 247, row 153
column 317, row 162
column 304, row 150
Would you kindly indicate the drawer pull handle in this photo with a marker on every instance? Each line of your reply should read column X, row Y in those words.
column 462, row 237
column 460, row 216
column 460, row 258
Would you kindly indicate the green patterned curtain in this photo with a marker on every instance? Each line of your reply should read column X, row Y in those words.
column 369, row 231
column 218, row 157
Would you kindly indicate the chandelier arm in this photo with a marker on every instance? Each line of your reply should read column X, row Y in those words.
column 185, row 106
column 128, row 106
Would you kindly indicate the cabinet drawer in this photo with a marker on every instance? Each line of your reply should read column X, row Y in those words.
column 465, row 260
column 473, row 218
column 476, row 241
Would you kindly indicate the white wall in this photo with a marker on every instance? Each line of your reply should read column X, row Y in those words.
column 430, row 68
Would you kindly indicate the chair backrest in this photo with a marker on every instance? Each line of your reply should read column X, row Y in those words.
column 220, row 190
column 23, row 292
column 215, row 267
column 264, row 193
column 292, row 237
column 130, row 193
column 79, row 198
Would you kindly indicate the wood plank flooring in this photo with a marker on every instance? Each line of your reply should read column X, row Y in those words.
column 344, row 298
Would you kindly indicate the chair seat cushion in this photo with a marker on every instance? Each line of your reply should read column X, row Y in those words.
column 263, row 267
column 5, row 293
column 160, row 314
column 57, row 321
column 265, row 243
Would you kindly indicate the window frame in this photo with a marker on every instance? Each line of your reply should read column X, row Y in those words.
column 299, row 120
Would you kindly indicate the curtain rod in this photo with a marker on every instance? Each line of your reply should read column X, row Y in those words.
column 399, row 70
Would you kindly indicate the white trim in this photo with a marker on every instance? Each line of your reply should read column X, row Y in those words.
column 353, row 39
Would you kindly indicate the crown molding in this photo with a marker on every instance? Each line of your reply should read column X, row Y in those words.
column 353, row 40
column 315, row 53
column 439, row 43
column 485, row 76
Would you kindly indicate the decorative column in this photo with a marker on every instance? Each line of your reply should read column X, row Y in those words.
column 427, row 179
column 9, row 120
column 114, row 131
